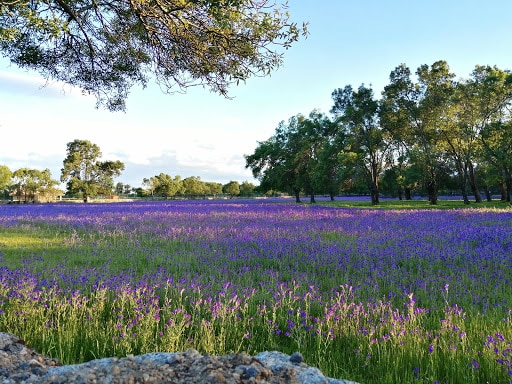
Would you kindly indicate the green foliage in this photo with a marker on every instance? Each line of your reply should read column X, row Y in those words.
column 367, row 141
column 289, row 161
column 5, row 178
column 106, row 47
column 414, row 110
column 213, row 188
column 194, row 186
column 232, row 188
column 246, row 188
column 26, row 183
column 85, row 174
column 166, row 186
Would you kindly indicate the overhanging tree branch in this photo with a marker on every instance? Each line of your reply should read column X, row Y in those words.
column 124, row 42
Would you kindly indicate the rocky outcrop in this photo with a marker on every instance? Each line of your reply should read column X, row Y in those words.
column 21, row 364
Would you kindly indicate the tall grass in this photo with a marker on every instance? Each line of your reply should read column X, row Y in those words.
column 375, row 296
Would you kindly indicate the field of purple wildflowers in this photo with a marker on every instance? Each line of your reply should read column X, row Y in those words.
column 374, row 296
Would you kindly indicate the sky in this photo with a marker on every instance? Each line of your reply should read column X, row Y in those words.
column 199, row 133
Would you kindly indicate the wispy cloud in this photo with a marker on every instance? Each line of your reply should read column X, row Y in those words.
column 27, row 85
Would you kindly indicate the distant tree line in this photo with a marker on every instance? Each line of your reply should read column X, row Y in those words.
column 427, row 134
column 86, row 177
column 164, row 185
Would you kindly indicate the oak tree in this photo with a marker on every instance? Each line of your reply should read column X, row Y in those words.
column 169, row 186
column 247, row 188
column 194, row 186
column 213, row 188
column 289, row 161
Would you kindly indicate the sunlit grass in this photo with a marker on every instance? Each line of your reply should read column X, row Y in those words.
column 21, row 238
column 18, row 244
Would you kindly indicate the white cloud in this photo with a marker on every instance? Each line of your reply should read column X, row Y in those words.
column 25, row 84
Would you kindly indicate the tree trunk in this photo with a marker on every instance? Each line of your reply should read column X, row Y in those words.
column 462, row 176
column 407, row 192
column 312, row 198
column 508, row 184
column 503, row 192
column 432, row 192
column 472, row 183
column 462, row 185
column 297, row 195
column 488, row 193
column 400, row 194
column 374, row 191
column 331, row 195
column 465, row 196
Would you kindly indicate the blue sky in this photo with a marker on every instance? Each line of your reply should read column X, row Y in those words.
column 202, row 134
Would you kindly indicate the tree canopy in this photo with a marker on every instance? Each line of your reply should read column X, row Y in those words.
column 427, row 132
column 105, row 47
column 369, row 144
column 27, row 183
column 289, row 160
column 85, row 174
column 232, row 188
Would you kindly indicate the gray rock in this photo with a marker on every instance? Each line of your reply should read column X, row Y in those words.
column 277, row 361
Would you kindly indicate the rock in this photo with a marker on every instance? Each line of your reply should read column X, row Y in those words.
column 20, row 364
column 277, row 361
column 296, row 358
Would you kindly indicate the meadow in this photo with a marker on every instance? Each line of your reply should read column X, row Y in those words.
column 369, row 295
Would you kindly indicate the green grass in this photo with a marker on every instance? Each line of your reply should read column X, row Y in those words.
column 43, row 249
column 20, row 243
column 416, row 204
